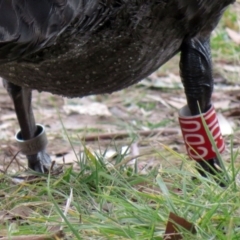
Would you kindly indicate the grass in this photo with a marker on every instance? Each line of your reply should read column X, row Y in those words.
column 223, row 48
column 115, row 201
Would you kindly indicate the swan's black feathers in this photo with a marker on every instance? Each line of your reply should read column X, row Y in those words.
column 82, row 47
column 34, row 24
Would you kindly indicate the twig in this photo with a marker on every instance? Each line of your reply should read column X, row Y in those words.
column 58, row 235
column 11, row 161
column 52, row 166
column 125, row 134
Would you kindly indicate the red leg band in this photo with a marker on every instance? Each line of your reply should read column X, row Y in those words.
column 195, row 137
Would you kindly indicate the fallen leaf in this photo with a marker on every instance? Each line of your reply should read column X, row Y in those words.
column 170, row 81
column 224, row 104
column 177, row 103
column 231, row 68
column 235, row 36
column 91, row 109
column 225, row 126
column 4, row 216
column 68, row 158
column 21, row 211
column 173, row 231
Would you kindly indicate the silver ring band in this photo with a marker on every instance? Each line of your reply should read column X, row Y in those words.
column 34, row 145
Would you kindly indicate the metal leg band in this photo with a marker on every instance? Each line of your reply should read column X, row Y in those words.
column 34, row 145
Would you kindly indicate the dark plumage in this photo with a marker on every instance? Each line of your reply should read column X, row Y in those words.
column 81, row 47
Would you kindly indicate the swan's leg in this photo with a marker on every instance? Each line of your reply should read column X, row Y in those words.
column 32, row 137
column 196, row 75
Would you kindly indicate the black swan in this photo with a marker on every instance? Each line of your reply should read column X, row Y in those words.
column 76, row 48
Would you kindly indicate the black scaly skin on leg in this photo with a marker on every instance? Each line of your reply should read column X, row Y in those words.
column 196, row 75
column 21, row 98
